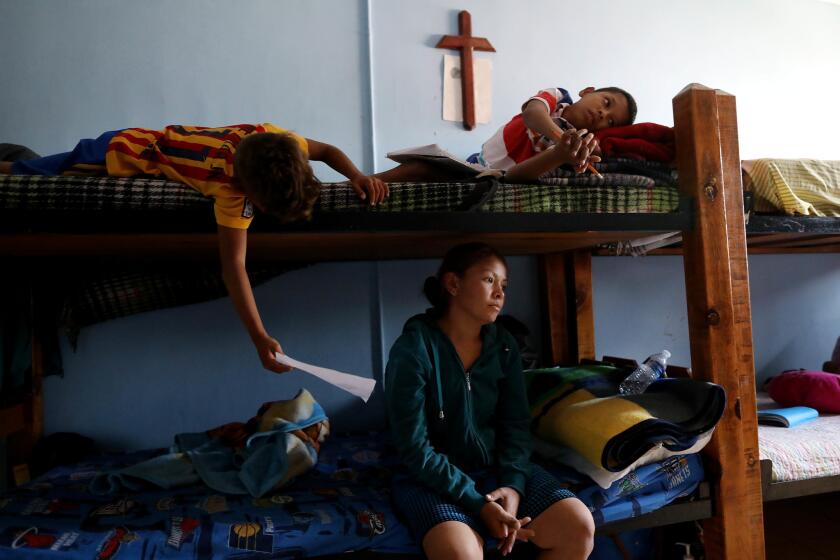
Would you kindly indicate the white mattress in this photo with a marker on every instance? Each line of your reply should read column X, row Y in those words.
column 810, row 450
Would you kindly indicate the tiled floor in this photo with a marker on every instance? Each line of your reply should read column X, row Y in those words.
column 803, row 528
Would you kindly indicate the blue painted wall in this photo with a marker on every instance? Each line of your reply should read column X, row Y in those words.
column 364, row 75
column 640, row 308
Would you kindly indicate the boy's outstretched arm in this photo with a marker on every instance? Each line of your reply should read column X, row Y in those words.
column 536, row 117
column 232, row 248
column 369, row 188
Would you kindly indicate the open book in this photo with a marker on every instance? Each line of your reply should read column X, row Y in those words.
column 787, row 417
column 438, row 156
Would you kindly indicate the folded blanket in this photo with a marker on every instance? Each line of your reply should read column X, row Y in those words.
column 580, row 407
column 795, row 186
column 646, row 489
column 281, row 442
column 616, row 172
column 568, row 457
column 649, row 141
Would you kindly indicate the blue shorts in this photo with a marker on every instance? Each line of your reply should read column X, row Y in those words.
column 476, row 158
column 423, row 508
column 88, row 151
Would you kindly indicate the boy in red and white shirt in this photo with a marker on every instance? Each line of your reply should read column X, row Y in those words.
column 552, row 131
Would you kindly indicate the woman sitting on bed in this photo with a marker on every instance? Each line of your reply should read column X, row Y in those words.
column 459, row 415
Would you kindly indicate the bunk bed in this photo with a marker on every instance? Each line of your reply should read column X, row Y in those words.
column 793, row 464
column 797, row 472
column 804, row 461
column 709, row 213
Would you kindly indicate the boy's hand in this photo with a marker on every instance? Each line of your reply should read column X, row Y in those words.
column 509, row 499
column 370, row 188
column 577, row 148
column 266, row 347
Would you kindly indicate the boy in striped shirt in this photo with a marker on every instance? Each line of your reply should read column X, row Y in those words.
column 240, row 166
column 551, row 131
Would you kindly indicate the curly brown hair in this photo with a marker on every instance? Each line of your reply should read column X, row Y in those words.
column 273, row 172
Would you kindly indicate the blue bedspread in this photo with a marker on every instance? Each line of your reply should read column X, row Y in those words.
column 342, row 505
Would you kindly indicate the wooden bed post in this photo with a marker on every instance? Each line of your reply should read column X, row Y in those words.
column 33, row 405
column 22, row 423
column 717, row 294
column 567, row 291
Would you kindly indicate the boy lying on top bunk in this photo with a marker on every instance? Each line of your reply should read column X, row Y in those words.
column 550, row 132
column 240, row 167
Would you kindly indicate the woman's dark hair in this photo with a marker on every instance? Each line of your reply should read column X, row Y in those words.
column 457, row 260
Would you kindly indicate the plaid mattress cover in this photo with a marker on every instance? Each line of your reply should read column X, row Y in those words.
column 626, row 187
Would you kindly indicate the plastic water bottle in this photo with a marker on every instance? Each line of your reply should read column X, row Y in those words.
column 651, row 369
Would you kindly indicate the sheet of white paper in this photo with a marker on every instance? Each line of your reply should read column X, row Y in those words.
column 453, row 109
column 362, row 387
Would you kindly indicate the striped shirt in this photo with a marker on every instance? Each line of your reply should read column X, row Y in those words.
column 198, row 156
column 515, row 143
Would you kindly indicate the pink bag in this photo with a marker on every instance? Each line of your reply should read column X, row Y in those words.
column 799, row 387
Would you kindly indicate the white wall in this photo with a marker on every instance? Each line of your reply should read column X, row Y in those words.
column 75, row 68
column 364, row 75
column 778, row 57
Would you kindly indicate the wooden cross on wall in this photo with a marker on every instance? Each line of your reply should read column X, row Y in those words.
column 465, row 42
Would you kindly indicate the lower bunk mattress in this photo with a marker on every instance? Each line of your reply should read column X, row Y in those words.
column 805, row 452
column 342, row 505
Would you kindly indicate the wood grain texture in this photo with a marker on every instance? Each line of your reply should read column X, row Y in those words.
column 340, row 246
column 566, row 288
column 581, row 265
column 717, row 294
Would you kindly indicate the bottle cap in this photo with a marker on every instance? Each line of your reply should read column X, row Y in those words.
column 687, row 555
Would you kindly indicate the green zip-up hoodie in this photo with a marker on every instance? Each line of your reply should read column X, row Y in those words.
column 446, row 421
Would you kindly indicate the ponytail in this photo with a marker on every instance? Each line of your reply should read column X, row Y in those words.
column 457, row 260
column 433, row 290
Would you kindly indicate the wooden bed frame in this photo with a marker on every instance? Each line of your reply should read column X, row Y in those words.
column 794, row 489
column 716, row 277
column 765, row 234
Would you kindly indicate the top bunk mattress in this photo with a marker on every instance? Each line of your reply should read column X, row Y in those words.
column 75, row 203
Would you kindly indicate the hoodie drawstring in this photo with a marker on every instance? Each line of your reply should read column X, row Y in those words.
column 437, row 380
column 432, row 351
